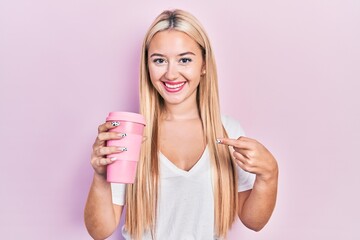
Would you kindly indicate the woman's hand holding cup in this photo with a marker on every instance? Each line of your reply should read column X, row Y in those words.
column 99, row 159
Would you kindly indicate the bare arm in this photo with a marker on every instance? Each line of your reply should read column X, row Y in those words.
column 101, row 215
column 256, row 205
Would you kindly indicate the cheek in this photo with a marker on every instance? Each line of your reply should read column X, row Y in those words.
column 152, row 75
column 192, row 74
column 155, row 73
column 193, row 70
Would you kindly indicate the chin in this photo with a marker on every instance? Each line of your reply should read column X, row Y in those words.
column 173, row 101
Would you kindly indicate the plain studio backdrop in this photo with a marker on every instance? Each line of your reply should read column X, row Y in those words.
column 289, row 71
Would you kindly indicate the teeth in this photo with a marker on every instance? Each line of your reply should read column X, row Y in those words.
column 173, row 86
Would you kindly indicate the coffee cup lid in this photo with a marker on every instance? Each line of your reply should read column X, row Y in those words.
column 126, row 116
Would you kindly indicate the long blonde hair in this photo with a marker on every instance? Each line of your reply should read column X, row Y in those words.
column 142, row 196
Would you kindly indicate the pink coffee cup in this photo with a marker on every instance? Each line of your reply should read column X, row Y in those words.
column 123, row 169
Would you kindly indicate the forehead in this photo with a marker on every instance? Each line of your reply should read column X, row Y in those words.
column 171, row 42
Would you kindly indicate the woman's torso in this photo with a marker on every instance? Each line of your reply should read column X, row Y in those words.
column 182, row 141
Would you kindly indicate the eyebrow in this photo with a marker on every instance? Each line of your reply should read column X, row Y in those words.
column 181, row 54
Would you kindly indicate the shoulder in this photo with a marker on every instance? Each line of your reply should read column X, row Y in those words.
column 232, row 126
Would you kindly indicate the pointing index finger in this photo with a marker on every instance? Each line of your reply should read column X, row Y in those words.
column 226, row 141
column 238, row 143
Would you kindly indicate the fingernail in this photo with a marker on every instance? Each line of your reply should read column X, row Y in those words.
column 122, row 149
column 122, row 135
column 115, row 124
column 218, row 140
column 113, row 158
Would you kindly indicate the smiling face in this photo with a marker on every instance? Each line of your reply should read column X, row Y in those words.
column 175, row 65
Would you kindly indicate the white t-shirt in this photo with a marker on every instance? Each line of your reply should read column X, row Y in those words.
column 186, row 200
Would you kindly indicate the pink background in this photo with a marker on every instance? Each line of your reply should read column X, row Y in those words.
column 288, row 70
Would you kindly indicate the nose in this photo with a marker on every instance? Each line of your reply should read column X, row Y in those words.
column 172, row 72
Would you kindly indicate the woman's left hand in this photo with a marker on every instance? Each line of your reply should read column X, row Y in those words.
column 253, row 157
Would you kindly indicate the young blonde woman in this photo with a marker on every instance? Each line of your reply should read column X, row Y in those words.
column 197, row 172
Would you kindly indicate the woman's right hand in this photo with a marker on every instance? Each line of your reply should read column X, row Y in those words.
column 99, row 160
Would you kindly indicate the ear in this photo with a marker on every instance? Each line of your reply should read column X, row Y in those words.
column 203, row 70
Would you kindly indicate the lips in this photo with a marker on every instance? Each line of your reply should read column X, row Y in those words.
column 173, row 86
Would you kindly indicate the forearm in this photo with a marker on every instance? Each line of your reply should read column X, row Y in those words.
column 99, row 213
column 258, row 207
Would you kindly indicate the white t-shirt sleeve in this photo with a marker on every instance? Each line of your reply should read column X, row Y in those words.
column 118, row 193
column 234, row 130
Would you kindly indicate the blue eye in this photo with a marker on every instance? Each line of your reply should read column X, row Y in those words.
column 185, row 60
column 158, row 60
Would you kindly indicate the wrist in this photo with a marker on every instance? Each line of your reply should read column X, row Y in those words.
column 99, row 178
column 270, row 173
column 267, row 179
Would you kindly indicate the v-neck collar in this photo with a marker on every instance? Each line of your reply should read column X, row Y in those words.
column 180, row 171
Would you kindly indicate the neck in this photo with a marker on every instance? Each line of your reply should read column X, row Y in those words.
column 187, row 110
